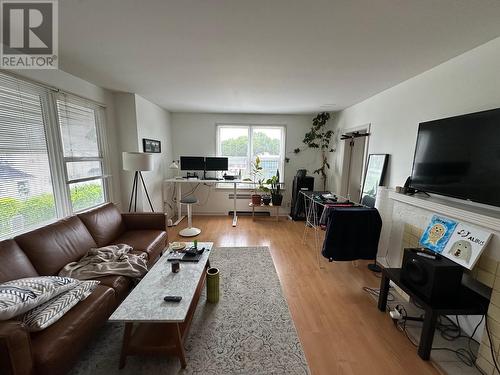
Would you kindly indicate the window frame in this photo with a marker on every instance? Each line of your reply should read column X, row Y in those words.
column 53, row 138
column 250, row 129
column 100, row 133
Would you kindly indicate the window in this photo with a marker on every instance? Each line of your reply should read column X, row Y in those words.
column 51, row 162
column 82, row 155
column 243, row 143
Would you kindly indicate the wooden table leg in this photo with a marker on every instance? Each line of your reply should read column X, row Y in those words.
column 180, row 347
column 427, row 335
column 126, row 339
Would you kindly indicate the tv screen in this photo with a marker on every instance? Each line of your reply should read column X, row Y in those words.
column 216, row 164
column 192, row 163
column 460, row 157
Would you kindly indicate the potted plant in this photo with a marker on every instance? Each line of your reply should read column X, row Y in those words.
column 276, row 196
column 319, row 138
column 256, row 173
column 266, row 199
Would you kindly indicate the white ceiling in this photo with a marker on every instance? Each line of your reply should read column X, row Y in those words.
column 265, row 56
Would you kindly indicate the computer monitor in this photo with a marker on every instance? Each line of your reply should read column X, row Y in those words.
column 216, row 164
column 192, row 163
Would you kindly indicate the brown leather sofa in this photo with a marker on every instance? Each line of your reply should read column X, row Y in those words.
column 44, row 252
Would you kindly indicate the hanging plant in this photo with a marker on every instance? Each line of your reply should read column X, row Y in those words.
column 319, row 138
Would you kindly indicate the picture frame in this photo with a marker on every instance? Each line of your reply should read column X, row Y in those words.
column 151, row 146
column 374, row 177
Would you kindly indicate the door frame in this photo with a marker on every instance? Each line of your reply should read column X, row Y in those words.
column 344, row 167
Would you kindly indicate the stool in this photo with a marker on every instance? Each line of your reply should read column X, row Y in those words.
column 189, row 231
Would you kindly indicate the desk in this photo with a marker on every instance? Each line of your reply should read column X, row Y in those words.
column 468, row 302
column 179, row 181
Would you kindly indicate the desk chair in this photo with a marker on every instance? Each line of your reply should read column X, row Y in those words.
column 189, row 231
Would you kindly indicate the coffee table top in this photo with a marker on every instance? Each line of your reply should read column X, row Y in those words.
column 145, row 303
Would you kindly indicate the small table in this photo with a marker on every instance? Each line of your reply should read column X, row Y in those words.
column 467, row 302
column 153, row 326
column 264, row 205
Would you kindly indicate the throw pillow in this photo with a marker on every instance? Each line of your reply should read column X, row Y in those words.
column 19, row 296
column 50, row 312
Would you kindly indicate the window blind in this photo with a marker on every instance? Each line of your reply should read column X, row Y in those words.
column 78, row 125
column 26, row 190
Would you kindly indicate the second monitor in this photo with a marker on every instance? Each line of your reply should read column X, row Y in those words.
column 216, row 164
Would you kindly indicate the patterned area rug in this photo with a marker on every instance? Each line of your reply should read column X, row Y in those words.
column 249, row 331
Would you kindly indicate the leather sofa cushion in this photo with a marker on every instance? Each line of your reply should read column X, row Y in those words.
column 104, row 223
column 51, row 247
column 152, row 242
column 145, row 220
column 14, row 264
column 56, row 348
column 120, row 284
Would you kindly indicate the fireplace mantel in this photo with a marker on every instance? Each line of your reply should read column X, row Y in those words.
column 476, row 215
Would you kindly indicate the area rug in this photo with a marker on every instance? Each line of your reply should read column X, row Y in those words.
column 249, row 331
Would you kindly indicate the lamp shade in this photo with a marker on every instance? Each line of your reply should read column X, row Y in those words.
column 137, row 161
column 174, row 165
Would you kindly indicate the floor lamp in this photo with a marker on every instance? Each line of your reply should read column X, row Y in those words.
column 138, row 162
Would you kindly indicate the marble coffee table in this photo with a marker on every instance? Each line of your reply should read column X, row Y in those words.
column 153, row 325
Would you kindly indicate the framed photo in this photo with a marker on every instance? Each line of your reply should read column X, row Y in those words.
column 374, row 177
column 150, row 145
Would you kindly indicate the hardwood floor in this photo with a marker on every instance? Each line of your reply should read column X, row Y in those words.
column 339, row 325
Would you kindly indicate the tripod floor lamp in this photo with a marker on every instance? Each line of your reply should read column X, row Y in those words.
column 138, row 162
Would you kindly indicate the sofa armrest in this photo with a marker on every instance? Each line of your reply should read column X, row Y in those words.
column 145, row 220
column 15, row 349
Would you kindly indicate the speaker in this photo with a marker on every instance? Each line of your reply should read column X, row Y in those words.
column 430, row 275
column 300, row 183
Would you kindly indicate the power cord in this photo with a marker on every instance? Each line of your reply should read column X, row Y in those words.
column 207, row 196
column 449, row 331
column 375, row 292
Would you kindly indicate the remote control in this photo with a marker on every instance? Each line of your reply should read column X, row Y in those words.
column 172, row 298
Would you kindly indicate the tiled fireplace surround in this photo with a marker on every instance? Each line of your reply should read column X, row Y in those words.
column 406, row 217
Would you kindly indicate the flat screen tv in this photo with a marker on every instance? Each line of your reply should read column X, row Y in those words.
column 460, row 157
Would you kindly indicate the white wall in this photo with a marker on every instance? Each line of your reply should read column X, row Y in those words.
column 467, row 83
column 77, row 86
column 138, row 119
column 127, row 140
column 153, row 122
column 195, row 134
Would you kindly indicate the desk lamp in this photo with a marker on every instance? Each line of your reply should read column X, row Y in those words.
column 175, row 165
